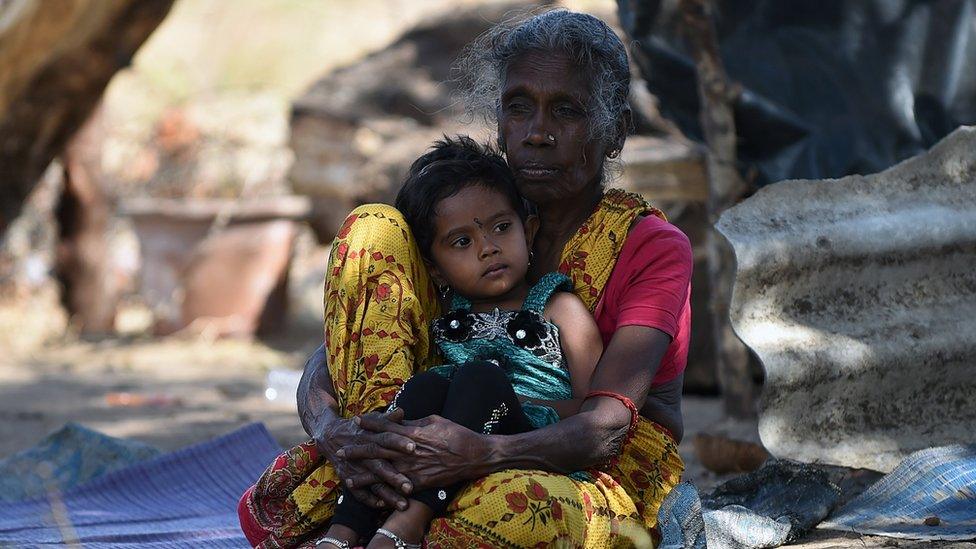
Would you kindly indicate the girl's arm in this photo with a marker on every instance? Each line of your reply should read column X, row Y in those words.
column 582, row 346
column 579, row 338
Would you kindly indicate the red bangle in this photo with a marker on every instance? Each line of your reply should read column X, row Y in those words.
column 614, row 460
column 626, row 402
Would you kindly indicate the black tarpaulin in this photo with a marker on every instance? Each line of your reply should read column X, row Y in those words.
column 830, row 88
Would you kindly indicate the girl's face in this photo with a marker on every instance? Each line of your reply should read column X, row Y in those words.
column 480, row 246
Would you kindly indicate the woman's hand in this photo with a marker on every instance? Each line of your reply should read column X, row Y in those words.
column 383, row 486
column 378, row 484
column 444, row 452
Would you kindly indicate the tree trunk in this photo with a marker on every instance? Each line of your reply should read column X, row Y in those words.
column 726, row 187
column 84, row 269
column 58, row 57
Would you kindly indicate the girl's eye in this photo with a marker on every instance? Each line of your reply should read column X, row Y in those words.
column 503, row 226
column 461, row 242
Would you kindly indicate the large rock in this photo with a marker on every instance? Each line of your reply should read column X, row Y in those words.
column 859, row 297
column 56, row 57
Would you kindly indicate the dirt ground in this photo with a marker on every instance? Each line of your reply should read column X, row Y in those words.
column 192, row 389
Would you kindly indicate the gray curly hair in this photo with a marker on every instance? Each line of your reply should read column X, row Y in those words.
column 483, row 65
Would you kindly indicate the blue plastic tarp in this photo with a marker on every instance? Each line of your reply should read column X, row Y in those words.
column 186, row 498
column 938, row 484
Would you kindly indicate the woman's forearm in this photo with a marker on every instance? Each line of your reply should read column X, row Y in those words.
column 586, row 439
column 317, row 405
column 595, row 434
column 319, row 413
column 565, row 408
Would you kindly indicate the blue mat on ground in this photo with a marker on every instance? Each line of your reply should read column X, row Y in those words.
column 186, row 498
column 937, row 482
column 69, row 457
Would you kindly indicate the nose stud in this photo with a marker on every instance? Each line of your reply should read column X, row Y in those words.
column 551, row 137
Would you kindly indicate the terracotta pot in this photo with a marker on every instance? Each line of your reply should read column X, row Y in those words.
column 216, row 266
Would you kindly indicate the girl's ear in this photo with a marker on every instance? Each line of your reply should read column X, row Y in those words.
column 531, row 228
column 435, row 274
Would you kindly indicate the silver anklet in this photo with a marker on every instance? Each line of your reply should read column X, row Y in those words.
column 341, row 544
column 397, row 540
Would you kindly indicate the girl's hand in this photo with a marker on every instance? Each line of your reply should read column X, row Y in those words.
column 444, row 452
column 378, row 484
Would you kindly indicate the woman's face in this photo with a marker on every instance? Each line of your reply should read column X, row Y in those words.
column 545, row 130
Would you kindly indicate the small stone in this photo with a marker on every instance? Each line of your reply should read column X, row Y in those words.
column 441, row 495
column 932, row 521
column 455, row 324
column 520, row 334
column 340, row 499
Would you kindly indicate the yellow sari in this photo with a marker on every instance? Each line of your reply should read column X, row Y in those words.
column 379, row 302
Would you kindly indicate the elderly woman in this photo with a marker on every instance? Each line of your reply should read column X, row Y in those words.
column 557, row 84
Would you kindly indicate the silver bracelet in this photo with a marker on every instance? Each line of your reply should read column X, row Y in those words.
column 341, row 544
column 397, row 540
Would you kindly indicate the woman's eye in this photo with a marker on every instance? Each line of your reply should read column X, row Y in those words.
column 568, row 112
column 461, row 242
column 517, row 108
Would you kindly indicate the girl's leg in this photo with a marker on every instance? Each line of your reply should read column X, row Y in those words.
column 422, row 395
column 480, row 398
column 353, row 520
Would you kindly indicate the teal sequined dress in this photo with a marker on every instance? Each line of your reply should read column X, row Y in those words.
column 522, row 342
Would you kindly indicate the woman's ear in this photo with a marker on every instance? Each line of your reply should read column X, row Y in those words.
column 499, row 138
column 624, row 126
column 531, row 228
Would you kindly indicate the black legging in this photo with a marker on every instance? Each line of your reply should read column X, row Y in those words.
column 479, row 396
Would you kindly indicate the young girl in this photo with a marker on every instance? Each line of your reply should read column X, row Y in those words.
column 520, row 356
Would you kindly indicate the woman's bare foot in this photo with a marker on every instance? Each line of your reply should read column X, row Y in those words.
column 409, row 525
column 341, row 533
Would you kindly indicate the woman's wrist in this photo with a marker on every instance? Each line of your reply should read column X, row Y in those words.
column 494, row 457
column 329, row 429
column 504, row 452
column 557, row 447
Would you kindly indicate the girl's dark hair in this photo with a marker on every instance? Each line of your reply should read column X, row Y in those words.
column 452, row 164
